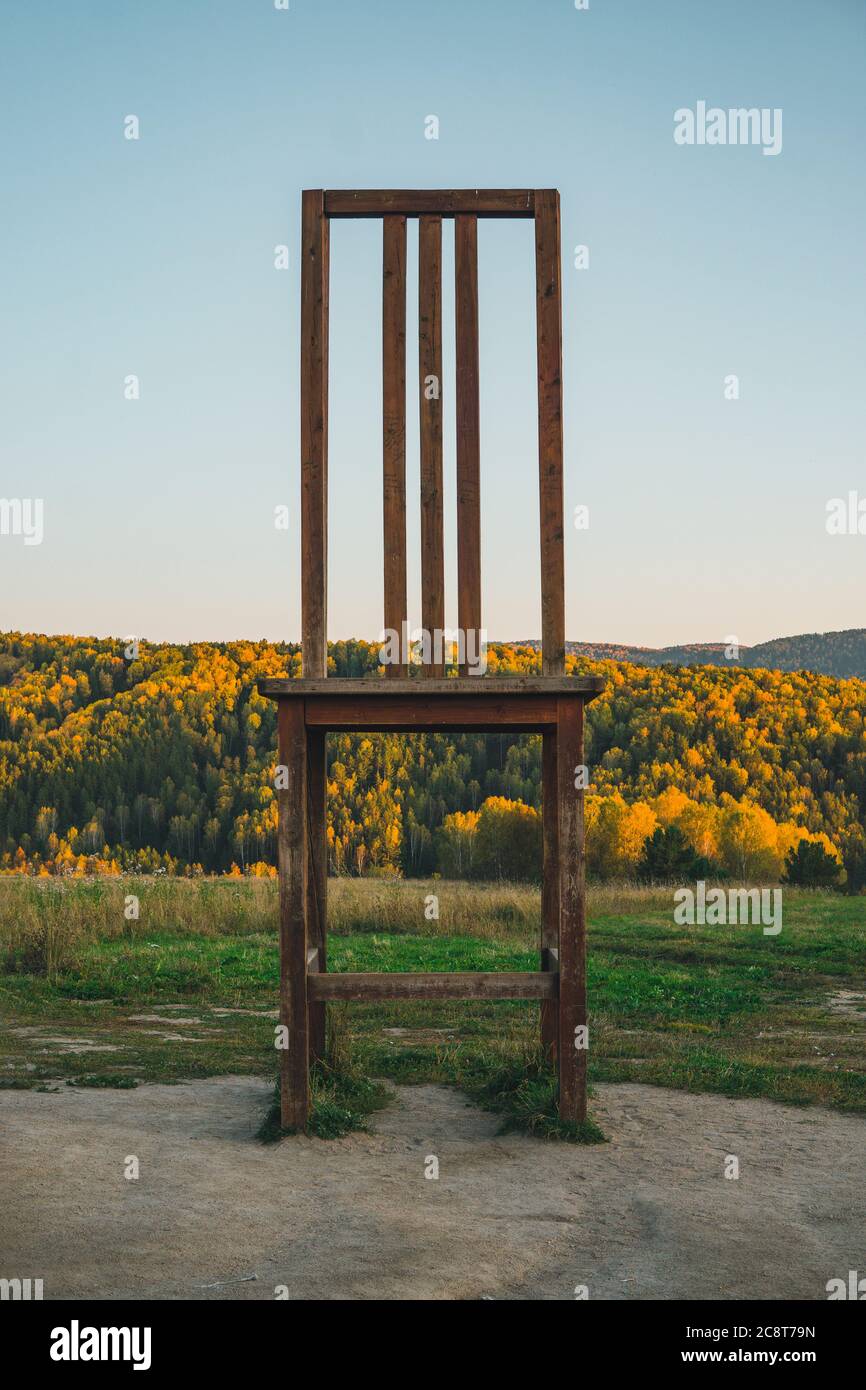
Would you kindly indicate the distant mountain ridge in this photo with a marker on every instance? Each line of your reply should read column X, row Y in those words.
column 839, row 654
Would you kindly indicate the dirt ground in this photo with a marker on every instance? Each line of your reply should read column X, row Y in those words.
column 216, row 1215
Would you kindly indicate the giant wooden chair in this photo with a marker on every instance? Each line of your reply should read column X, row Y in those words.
column 551, row 704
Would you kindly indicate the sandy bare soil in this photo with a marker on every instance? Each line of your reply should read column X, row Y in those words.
column 648, row 1215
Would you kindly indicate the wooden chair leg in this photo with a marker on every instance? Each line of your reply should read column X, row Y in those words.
column 317, row 880
column 549, row 890
column 572, row 913
column 292, row 853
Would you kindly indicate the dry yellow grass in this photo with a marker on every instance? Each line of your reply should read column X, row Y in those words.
column 45, row 922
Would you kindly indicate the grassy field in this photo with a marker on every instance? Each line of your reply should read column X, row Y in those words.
column 90, row 998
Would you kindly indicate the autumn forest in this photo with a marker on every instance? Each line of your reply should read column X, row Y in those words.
column 165, row 763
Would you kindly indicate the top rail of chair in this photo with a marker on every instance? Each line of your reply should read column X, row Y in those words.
column 417, row 202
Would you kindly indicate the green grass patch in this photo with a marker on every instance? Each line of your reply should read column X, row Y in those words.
column 107, row 1079
column 168, row 997
column 342, row 1096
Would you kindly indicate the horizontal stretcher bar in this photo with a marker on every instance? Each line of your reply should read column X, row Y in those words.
column 435, row 984
column 417, row 202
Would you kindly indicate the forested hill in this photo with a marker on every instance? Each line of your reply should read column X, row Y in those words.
column 166, row 761
column 841, row 654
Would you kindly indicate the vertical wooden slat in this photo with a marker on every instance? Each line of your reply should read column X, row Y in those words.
column 430, row 397
column 394, row 425
column 314, row 433
column 292, row 859
column 468, row 428
column 326, row 340
column 550, row 889
column 317, row 879
column 549, row 339
column 572, row 911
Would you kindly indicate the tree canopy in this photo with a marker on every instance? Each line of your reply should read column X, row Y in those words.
column 167, row 761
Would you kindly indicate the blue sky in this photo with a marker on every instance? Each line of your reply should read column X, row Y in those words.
column 155, row 257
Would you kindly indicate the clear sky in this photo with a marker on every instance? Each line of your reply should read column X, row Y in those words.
column 155, row 257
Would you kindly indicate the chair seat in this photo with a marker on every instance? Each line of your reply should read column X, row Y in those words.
column 522, row 704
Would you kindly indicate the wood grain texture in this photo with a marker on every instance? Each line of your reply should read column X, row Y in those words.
column 414, row 713
column 548, row 298
column 572, row 912
column 414, row 202
column 394, row 427
column 292, row 869
column 468, row 426
column 476, row 687
column 430, row 407
column 420, row 716
column 549, row 886
column 433, row 985
column 314, row 433
column 317, row 879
